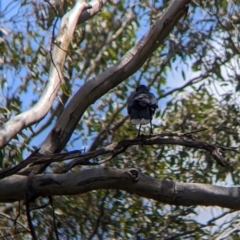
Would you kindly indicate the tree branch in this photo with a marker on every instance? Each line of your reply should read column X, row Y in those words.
column 117, row 148
column 160, row 139
column 37, row 112
column 97, row 87
column 89, row 13
column 37, row 158
column 131, row 180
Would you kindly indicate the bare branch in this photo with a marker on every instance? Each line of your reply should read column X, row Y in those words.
column 131, row 180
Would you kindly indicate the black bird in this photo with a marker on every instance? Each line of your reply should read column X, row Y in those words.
column 141, row 107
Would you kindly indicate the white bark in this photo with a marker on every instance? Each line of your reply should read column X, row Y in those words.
column 37, row 112
column 96, row 7
column 13, row 188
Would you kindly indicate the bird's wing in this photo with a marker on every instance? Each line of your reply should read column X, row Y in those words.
column 153, row 100
column 143, row 99
column 130, row 102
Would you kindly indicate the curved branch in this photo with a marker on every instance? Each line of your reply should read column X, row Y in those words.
column 130, row 180
column 37, row 112
column 97, row 87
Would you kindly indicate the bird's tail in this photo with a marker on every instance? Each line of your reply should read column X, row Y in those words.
column 140, row 116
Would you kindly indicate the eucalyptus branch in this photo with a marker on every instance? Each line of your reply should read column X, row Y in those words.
column 129, row 180
column 37, row 112
column 114, row 149
column 94, row 88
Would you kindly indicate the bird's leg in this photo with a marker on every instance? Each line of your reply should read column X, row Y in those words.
column 141, row 139
column 151, row 129
column 139, row 130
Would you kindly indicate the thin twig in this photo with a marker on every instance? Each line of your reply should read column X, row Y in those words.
column 177, row 235
column 53, row 217
column 53, row 39
column 113, row 155
column 191, row 81
column 100, row 216
column 11, row 219
column 29, row 218
column 16, row 218
column 39, row 207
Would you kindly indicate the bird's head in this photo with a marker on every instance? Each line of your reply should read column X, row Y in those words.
column 141, row 87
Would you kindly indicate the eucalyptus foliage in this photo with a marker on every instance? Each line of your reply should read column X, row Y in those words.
column 195, row 75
